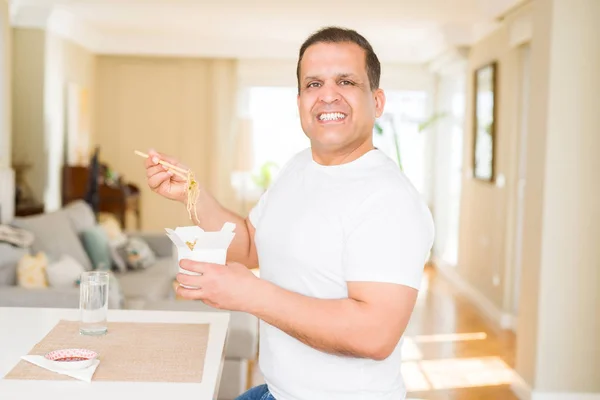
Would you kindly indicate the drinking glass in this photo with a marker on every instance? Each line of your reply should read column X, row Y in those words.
column 93, row 303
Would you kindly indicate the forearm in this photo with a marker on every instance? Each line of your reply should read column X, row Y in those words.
column 211, row 217
column 336, row 326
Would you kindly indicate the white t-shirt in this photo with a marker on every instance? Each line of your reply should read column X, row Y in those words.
column 318, row 227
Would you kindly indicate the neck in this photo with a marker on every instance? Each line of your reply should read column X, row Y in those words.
column 342, row 156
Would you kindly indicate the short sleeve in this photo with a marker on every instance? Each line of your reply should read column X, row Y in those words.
column 388, row 239
column 257, row 211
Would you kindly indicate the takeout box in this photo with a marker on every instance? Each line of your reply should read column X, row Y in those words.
column 193, row 243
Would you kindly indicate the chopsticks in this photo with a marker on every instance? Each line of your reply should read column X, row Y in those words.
column 174, row 168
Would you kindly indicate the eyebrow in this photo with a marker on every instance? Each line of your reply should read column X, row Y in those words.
column 340, row 75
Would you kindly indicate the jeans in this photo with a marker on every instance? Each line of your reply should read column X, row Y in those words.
column 257, row 393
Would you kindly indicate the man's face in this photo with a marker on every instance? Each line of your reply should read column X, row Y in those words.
column 337, row 106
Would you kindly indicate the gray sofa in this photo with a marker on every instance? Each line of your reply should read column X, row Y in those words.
column 57, row 233
column 151, row 288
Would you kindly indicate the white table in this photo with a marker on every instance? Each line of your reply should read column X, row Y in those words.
column 22, row 328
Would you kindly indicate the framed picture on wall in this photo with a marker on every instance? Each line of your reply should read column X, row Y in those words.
column 484, row 122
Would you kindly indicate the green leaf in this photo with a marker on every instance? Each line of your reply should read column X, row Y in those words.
column 378, row 128
column 265, row 175
column 429, row 122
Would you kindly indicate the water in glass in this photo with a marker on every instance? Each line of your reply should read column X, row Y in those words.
column 93, row 303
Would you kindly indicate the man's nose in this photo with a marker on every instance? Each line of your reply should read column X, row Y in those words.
column 329, row 93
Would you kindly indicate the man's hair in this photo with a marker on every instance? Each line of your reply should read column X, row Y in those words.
column 334, row 34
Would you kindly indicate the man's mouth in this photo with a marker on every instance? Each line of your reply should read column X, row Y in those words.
column 331, row 116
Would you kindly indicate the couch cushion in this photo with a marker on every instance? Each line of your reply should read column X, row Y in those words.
column 115, row 294
column 15, row 236
column 64, row 273
column 81, row 215
column 97, row 247
column 55, row 236
column 150, row 284
column 31, row 271
column 9, row 259
column 15, row 296
column 137, row 253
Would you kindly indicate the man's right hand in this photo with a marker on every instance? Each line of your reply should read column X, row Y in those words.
column 162, row 181
column 210, row 214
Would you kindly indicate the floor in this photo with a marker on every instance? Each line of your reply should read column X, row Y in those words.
column 450, row 351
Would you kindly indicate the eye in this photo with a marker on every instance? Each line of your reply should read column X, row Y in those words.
column 313, row 85
column 346, row 83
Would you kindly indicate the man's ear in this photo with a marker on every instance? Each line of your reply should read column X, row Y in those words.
column 379, row 96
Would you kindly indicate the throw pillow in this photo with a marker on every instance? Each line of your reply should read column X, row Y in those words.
column 116, row 237
column 80, row 214
column 113, row 228
column 54, row 235
column 116, row 299
column 117, row 259
column 18, row 237
column 31, row 271
column 97, row 247
column 65, row 272
column 138, row 254
column 9, row 260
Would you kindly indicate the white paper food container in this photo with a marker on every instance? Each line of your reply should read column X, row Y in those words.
column 210, row 247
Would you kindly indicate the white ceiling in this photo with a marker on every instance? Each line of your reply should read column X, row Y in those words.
column 401, row 31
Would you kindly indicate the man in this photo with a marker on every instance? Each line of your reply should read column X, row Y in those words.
column 341, row 238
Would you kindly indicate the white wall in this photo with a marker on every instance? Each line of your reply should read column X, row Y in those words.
column 65, row 62
column 448, row 142
column 283, row 73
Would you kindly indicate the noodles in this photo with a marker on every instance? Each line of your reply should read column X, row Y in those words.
column 193, row 192
column 191, row 185
column 191, row 245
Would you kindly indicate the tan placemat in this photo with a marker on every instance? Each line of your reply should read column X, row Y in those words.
column 129, row 351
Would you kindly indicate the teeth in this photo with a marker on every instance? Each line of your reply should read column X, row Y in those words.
column 331, row 116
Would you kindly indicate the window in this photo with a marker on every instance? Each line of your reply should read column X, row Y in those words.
column 405, row 111
column 278, row 135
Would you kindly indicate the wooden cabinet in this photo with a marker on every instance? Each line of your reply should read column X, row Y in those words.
column 25, row 210
column 116, row 198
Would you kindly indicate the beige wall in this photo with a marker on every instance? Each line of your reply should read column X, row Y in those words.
column 488, row 219
column 7, row 187
column 483, row 214
column 527, row 322
column 5, row 86
column 557, row 330
column 181, row 107
column 568, row 345
column 28, row 144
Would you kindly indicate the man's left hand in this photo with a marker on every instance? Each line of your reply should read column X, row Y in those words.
column 230, row 287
